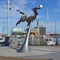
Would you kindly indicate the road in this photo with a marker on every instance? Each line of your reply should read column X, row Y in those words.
column 45, row 52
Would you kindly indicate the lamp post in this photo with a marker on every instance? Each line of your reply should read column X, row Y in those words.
column 8, row 22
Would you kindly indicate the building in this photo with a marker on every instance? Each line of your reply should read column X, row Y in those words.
column 17, row 31
column 40, row 29
column 35, row 31
column 39, row 32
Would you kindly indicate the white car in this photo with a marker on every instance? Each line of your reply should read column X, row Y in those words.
column 2, row 40
column 51, row 42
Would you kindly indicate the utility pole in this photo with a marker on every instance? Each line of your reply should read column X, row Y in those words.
column 56, row 34
column 55, row 26
column 8, row 22
column 48, row 25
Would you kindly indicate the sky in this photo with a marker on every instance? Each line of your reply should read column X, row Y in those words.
column 50, row 8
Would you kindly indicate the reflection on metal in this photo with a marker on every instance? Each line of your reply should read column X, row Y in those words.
column 24, row 47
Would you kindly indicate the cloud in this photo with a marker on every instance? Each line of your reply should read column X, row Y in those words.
column 3, row 12
column 20, row 2
column 17, row 4
column 21, row 5
column 41, row 16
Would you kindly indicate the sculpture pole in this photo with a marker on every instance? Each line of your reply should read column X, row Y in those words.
column 24, row 47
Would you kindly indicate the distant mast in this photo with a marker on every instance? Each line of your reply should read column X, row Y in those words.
column 48, row 25
column 37, row 23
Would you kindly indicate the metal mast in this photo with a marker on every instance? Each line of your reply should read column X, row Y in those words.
column 55, row 26
column 48, row 22
column 8, row 22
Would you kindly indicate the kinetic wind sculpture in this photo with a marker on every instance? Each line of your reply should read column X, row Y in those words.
column 29, row 20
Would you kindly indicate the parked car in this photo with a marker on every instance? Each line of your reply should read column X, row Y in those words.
column 51, row 41
column 6, row 43
column 2, row 40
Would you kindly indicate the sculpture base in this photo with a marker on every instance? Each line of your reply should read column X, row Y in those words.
column 23, row 50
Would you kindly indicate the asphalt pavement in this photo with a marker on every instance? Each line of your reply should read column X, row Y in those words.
column 45, row 52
